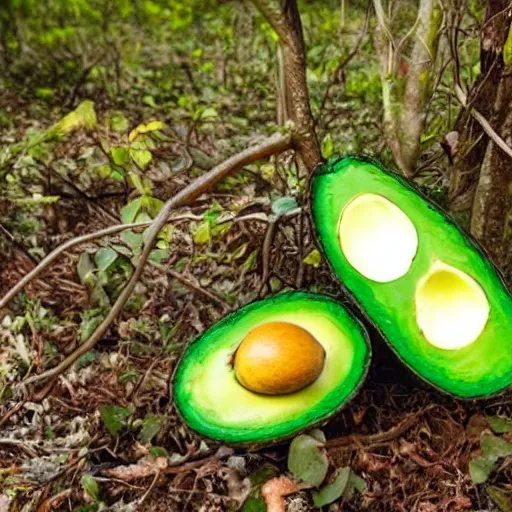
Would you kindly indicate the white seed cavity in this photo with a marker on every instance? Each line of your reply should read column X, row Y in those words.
column 377, row 238
column 451, row 307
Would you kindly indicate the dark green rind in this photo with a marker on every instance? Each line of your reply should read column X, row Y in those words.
column 271, row 434
column 455, row 375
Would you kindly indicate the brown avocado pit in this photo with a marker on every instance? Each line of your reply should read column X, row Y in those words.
column 278, row 358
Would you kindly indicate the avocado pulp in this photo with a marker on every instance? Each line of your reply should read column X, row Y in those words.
column 425, row 284
column 213, row 402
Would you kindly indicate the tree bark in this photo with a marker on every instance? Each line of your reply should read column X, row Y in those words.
column 283, row 16
column 481, row 179
column 472, row 142
column 406, row 88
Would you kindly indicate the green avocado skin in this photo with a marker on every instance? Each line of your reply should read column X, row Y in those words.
column 211, row 401
column 480, row 369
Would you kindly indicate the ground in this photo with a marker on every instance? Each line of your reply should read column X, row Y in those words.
column 105, row 434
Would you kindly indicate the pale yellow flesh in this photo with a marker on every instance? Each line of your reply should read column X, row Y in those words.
column 218, row 392
column 451, row 307
column 377, row 238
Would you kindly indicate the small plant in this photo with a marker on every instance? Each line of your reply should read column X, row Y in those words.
column 308, row 460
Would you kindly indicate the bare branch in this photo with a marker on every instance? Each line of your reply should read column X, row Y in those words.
column 272, row 145
column 50, row 258
column 486, row 126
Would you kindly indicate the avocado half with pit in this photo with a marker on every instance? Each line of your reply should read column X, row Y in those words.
column 271, row 369
column 426, row 285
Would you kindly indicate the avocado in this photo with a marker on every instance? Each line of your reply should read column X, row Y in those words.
column 425, row 284
column 271, row 369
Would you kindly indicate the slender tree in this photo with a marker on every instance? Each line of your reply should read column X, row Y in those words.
column 481, row 178
column 407, row 79
column 283, row 16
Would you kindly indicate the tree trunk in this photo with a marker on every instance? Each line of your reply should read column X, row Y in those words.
column 406, row 88
column 284, row 18
column 481, row 179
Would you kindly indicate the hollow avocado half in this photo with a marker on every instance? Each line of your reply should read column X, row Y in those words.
column 212, row 402
column 424, row 283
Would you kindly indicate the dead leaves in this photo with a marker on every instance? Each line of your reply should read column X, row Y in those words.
column 147, row 466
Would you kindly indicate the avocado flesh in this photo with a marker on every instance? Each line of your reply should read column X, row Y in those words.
column 216, row 405
column 450, row 295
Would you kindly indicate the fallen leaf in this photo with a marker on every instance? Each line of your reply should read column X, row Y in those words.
column 143, row 469
column 275, row 490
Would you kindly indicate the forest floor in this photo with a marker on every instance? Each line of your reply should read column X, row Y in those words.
column 104, row 435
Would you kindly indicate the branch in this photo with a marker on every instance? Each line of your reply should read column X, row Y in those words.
column 380, row 437
column 45, row 262
column 487, row 128
column 277, row 143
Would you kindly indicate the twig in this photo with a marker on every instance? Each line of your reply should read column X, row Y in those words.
column 267, row 247
column 193, row 286
column 45, row 262
column 488, row 129
column 274, row 144
column 380, row 437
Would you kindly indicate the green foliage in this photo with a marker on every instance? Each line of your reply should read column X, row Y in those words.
column 493, row 448
column 500, row 424
column 150, row 428
column 115, row 418
column 314, row 258
column 90, row 486
column 307, row 460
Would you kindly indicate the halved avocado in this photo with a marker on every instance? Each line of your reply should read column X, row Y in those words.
column 426, row 285
column 214, row 403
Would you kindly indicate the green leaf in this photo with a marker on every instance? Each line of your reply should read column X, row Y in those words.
column 120, row 155
column 209, row 113
column 249, row 263
column 115, row 418
column 158, row 451
column 502, row 499
column 119, row 123
column 90, row 486
column 104, row 257
column 507, row 49
column 331, row 492
column 202, row 233
column 130, row 375
column 83, row 116
column 254, row 505
column 85, row 270
column 88, row 326
column 132, row 239
column 327, row 146
column 307, row 460
column 159, row 255
column 317, row 434
column 314, row 258
column 129, row 212
column 480, row 468
column 499, row 424
column 283, row 205
column 495, row 447
column 149, row 100
column 87, row 359
column 142, row 157
column 355, row 483
column 152, row 126
column 150, row 428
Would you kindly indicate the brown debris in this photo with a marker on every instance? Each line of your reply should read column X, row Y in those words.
column 144, row 468
column 275, row 490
